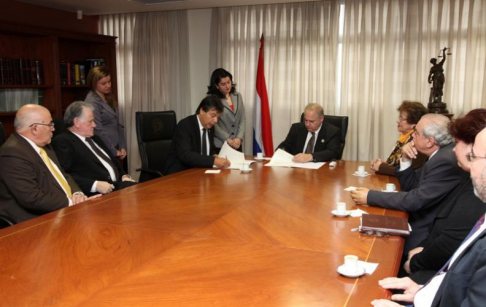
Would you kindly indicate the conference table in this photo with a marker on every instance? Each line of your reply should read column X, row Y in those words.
column 264, row 238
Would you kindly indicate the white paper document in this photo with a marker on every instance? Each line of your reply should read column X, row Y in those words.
column 234, row 156
column 284, row 159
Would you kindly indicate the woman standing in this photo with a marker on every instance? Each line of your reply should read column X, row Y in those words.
column 108, row 127
column 410, row 113
column 231, row 124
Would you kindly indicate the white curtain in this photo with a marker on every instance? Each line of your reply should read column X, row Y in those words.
column 387, row 45
column 301, row 42
column 152, row 67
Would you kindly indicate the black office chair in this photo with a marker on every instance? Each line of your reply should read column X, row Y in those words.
column 5, row 222
column 59, row 126
column 3, row 138
column 154, row 135
column 339, row 121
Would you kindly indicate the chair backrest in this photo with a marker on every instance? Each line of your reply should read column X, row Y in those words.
column 59, row 126
column 5, row 222
column 3, row 138
column 339, row 121
column 154, row 135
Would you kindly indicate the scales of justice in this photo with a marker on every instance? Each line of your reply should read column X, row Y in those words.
column 437, row 79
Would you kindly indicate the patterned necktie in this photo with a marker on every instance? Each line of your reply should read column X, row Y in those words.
column 54, row 171
column 104, row 157
column 204, row 146
column 310, row 145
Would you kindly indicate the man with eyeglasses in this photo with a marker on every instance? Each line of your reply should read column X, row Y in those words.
column 313, row 140
column 32, row 182
column 462, row 281
column 425, row 189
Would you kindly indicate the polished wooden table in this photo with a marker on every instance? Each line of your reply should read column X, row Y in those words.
column 266, row 238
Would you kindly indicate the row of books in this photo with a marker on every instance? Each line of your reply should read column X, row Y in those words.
column 21, row 71
column 77, row 73
column 12, row 99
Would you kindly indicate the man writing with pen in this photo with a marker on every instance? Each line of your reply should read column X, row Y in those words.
column 192, row 143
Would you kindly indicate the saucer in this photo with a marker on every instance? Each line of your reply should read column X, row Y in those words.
column 342, row 270
column 365, row 174
column 246, row 170
column 345, row 213
column 259, row 159
column 394, row 191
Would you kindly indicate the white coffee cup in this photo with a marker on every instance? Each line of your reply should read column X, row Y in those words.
column 361, row 169
column 245, row 167
column 351, row 263
column 390, row 187
column 260, row 155
column 341, row 207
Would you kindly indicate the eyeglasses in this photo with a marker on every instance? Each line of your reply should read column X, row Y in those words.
column 51, row 124
column 374, row 233
column 471, row 156
column 401, row 119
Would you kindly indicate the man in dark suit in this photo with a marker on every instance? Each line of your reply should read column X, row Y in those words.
column 424, row 189
column 32, row 182
column 193, row 140
column 84, row 156
column 314, row 140
column 463, row 279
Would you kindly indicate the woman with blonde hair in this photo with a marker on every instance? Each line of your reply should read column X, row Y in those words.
column 108, row 127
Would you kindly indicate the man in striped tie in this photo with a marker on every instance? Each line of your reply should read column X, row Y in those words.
column 32, row 182
column 462, row 281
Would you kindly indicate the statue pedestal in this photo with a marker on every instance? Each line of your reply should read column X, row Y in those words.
column 439, row 108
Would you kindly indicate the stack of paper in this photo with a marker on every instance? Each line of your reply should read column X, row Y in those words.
column 234, row 156
column 284, row 159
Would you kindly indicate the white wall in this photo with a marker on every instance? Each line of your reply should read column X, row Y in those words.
column 199, row 31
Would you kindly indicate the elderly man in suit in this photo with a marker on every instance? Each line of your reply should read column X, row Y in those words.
column 426, row 188
column 461, row 282
column 314, row 140
column 32, row 182
column 84, row 156
column 193, row 140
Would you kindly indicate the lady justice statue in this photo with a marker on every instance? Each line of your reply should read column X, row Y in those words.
column 437, row 79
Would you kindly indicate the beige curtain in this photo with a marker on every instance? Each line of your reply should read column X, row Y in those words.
column 153, row 71
column 301, row 42
column 387, row 46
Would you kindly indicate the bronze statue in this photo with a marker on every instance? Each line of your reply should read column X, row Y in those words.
column 436, row 77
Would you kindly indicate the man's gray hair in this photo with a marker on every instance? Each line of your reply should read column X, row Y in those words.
column 315, row 107
column 436, row 126
column 75, row 110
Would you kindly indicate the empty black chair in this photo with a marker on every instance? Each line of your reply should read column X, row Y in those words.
column 339, row 121
column 154, row 135
column 5, row 222
column 3, row 138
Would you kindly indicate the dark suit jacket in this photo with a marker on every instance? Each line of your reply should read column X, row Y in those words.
column 465, row 281
column 423, row 191
column 81, row 163
column 454, row 221
column 27, row 187
column 328, row 144
column 185, row 150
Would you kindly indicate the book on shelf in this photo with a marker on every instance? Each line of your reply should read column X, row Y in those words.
column 21, row 72
column 77, row 73
column 384, row 225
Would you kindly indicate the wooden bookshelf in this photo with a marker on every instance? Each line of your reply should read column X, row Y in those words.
column 51, row 46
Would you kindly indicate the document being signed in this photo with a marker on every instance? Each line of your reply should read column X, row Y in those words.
column 284, row 159
column 234, row 156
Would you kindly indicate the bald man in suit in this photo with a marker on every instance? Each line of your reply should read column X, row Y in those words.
column 32, row 182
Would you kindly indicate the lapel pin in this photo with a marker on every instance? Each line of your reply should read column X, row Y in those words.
column 322, row 140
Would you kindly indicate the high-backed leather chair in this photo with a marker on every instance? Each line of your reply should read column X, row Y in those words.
column 339, row 121
column 154, row 135
column 59, row 126
column 5, row 222
column 3, row 138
